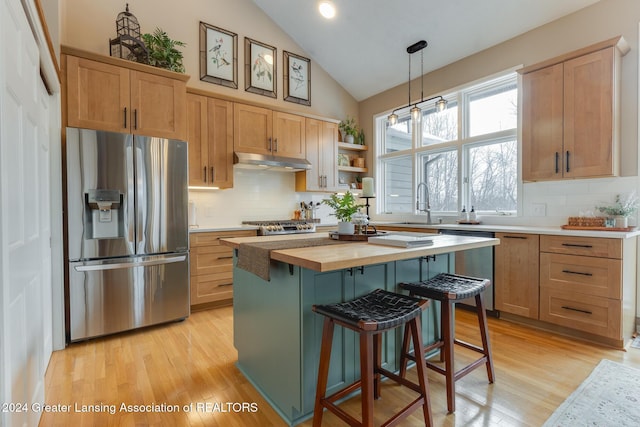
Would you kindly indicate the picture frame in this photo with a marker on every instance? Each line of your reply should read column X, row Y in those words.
column 297, row 78
column 218, row 56
column 343, row 160
column 260, row 70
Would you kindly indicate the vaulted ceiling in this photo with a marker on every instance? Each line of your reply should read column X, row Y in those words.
column 364, row 46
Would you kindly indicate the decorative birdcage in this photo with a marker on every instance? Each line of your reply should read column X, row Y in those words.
column 128, row 44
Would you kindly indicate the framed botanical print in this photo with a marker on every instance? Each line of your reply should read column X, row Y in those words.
column 297, row 78
column 218, row 56
column 260, row 68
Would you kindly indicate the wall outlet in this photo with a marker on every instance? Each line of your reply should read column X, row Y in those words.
column 538, row 209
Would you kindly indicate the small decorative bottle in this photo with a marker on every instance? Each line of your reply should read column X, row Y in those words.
column 463, row 214
column 472, row 214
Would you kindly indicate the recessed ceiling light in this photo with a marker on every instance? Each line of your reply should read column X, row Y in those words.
column 327, row 9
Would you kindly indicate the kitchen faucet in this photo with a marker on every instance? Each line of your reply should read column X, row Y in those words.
column 427, row 205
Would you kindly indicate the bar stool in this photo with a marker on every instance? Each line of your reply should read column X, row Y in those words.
column 370, row 316
column 448, row 289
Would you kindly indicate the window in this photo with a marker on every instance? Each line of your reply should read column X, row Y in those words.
column 439, row 173
column 492, row 176
column 463, row 156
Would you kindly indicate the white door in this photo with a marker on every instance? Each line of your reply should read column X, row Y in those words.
column 25, row 254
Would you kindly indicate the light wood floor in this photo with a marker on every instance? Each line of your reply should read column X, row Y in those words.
column 192, row 362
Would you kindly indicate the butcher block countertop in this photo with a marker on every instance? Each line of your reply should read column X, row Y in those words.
column 356, row 254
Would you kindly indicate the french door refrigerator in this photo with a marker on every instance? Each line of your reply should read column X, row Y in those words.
column 127, row 232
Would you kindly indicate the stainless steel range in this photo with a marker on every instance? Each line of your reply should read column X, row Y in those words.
column 270, row 228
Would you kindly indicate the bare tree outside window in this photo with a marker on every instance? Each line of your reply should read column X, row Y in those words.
column 493, row 176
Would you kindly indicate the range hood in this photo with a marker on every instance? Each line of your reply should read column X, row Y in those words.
column 270, row 162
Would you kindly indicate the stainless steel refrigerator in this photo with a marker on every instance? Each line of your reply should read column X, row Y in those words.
column 127, row 232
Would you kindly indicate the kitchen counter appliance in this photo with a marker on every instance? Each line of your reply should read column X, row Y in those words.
column 476, row 263
column 127, row 232
column 288, row 226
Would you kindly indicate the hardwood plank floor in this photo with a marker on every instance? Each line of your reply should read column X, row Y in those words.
column 192, row 363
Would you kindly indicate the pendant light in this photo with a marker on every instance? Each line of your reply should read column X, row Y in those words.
column 416, row 112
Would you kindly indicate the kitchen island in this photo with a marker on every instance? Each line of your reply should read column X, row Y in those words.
column 278, row 336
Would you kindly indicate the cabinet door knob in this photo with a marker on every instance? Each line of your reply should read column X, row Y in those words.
column 557, row 162
column 125, row 117
column 212, row 174
column 276, row 145
column 567, row 160
column 204, row 172
column 135, row 118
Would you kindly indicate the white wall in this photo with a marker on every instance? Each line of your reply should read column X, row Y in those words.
column 257, row 195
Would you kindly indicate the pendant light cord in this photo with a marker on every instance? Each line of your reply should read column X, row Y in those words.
column 409, row 100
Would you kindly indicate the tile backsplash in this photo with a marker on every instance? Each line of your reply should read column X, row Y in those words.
column 256, row 195
column 562, row 199
column 270, row 195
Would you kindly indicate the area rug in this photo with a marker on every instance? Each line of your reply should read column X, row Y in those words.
column 610, row 396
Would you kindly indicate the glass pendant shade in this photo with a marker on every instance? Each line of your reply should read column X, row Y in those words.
column 441, row 105
column 393, row 119
column 416, row 113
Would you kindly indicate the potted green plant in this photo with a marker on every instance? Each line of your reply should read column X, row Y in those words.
column 349, row 130
column 621, row 209
column 163, row 52
column 343, row 209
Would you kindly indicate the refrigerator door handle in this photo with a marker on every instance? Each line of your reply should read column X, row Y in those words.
column 131, row 202
column 119, row 265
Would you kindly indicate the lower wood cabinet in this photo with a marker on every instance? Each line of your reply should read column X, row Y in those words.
column 584, row 312
column 516, row 274
column 212, row 267
column 584, row 282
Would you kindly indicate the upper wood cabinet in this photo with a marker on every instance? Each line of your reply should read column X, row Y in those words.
column 321, row 139
column 104, row 96
column 516, row 274
column 210, row 136
column 264, row 131
column 570, row 114
column 289, row 135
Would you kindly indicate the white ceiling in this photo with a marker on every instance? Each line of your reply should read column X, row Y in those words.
column 364, row 46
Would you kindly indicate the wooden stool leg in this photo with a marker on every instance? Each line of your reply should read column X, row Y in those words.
column 405, row 351
column 484, row 333
column 377, row 362
column 449, row 366
column 366, row 378
column 323, row 370
column 421, row 369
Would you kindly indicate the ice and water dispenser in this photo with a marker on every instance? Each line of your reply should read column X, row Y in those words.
column 104, row 214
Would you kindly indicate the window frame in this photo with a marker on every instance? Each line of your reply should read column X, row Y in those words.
column 462, row 95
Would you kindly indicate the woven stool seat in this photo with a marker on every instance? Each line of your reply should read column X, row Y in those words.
column 370, row 316
column 448, row 289
column 376, row 311
column 446, row 286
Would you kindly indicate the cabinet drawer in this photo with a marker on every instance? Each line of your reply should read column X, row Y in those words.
column 594, row 315
column 586, row 246
column 213, row 237
column 211, row 259
column 585, row 275
column 211, row 287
